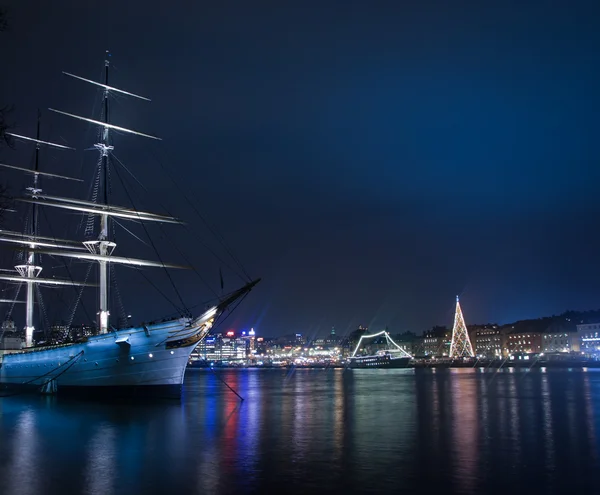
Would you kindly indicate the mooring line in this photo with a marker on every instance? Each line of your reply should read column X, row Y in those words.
column 70, row 362
column 226, row 384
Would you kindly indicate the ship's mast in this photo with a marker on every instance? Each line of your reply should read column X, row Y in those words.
column 31, row 270
column 105, row 247
column 102, row 247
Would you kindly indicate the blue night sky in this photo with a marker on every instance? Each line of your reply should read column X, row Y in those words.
column 369, row 160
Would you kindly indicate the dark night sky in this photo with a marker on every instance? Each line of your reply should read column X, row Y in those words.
column 370, row 160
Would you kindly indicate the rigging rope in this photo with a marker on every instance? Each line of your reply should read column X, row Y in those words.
column 12, row 306
column 66, row 365
column 130, row 233
column 21, row 256
column 208, row 226
column 71, row 277
column 86, row 134
column 217, row 235
column 152, row 243
column 186, row 260
column 179, row 311
column 78, row 298
column 184, row 226
column 202, row 303
column 43, row 308
column 120, row 306
column 113, row 280
column 91, row 219
column 217, row 323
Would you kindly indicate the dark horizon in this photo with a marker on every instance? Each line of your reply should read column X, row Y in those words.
column 369, row 162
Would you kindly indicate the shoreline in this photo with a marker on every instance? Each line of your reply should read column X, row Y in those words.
column 428, row 365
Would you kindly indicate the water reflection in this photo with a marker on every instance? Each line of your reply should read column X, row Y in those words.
column 100, row 473
column 513, row 401
column 249, row 424
column 547, row 423
column 22, row 462
column 379, row 431
column 384, row 425
column 589, row 416
column 465, row 427
column 338, row 414
column 302, row 415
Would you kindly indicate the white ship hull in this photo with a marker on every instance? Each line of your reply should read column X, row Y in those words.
column 146, row 361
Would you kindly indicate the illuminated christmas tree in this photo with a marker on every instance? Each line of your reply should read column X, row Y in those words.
column 461, row 344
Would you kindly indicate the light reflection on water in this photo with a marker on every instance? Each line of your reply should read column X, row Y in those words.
column 547, row 423
column 465, row 430
column 22, row 462
column 378, row 431
column 102, row 457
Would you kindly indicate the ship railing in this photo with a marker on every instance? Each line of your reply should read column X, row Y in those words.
column 27, row 350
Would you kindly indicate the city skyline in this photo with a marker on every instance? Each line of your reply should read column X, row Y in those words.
column 590, row 316
column 367, row 169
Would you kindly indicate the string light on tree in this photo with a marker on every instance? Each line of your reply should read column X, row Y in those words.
column 461, row 344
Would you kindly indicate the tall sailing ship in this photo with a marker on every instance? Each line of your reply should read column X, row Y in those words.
column 147, row 360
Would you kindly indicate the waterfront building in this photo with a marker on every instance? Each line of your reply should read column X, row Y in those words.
column 370, row 347
column 293, row 340
column 408, row 342
column 252, row 335
column 263, row 345
column 233, row 348
column 332, row 339
column 588, row 338
column 560, row 342
column 418, row 346
column 345, row 345
column 436, row 342
column 80, row 331
column 219, row 348
column 528, row 342
column 488, row 340
column 560, row 336
column 207, row 349
column 61, row 331
column 10, row 340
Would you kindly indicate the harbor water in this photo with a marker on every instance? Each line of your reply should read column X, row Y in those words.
column 315, row 431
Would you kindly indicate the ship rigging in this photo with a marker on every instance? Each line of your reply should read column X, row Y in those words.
column 121, row 356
